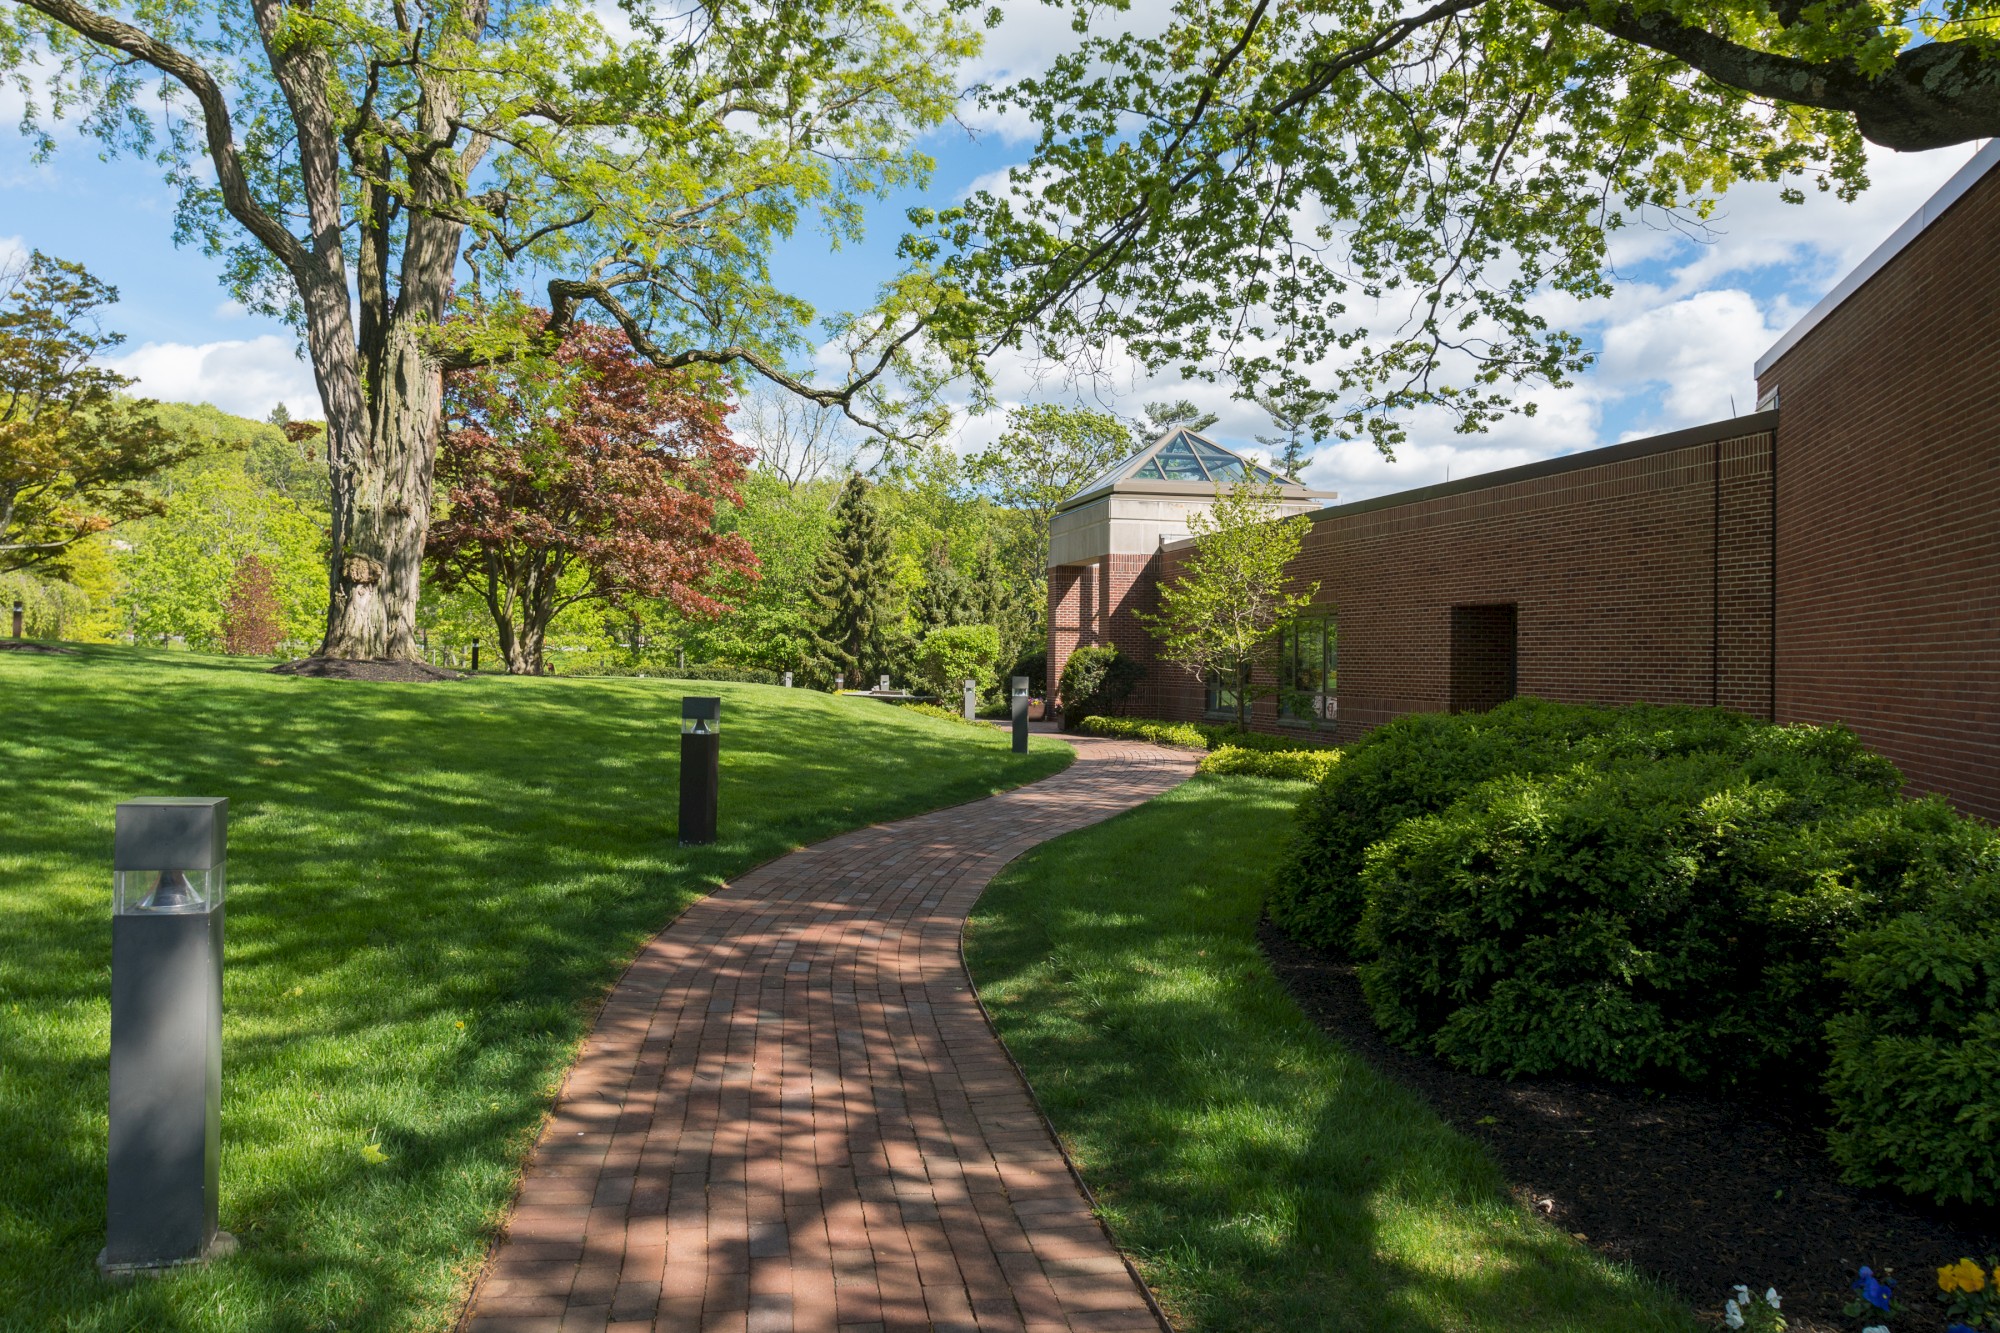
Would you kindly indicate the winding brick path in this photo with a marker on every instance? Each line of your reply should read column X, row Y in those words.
column 792, row 1114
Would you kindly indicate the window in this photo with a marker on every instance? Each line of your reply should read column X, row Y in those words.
column 1308, row 659
column 1220, row 694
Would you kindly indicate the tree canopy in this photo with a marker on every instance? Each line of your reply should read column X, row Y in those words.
column 1363, row 201
column 590, row 475
column 357, row 164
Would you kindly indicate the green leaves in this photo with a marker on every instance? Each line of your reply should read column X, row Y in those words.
column 1377, row 203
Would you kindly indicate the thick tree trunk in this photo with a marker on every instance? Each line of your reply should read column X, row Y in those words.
column 382, row 504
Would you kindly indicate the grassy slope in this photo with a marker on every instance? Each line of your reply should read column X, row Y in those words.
column 430, row 886
column 1264, row 1178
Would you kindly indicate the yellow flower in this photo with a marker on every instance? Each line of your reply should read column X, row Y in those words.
column 1964, row 1276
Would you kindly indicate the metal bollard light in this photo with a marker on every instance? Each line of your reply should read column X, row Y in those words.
column 884, row 688
column 971, row 699
column 788, row 680
column 839, row 681
column 701, row 768
column 475, row 657
column 169, row 857
column 1020, row 703
column 19, row 613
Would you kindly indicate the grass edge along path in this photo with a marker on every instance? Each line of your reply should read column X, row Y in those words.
column 432, row 888
column 1260, row 1176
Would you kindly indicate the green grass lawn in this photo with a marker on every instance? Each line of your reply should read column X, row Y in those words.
column 430, row 887
column 1262, row 1177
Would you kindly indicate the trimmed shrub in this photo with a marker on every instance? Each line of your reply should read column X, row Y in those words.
column 946, row 714
column 1664, row 919
column 1189, row 735
column 1096, row 679
column 1291, row 765
column 1419, row 765
column 1914, row 1069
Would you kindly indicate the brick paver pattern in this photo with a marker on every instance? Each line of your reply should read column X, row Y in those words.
column 792, row 1114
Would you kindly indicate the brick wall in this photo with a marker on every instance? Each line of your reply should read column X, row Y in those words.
column 1888, row 531
column 1639, row 572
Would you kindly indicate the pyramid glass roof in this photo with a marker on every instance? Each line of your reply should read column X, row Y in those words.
column 1182, row 455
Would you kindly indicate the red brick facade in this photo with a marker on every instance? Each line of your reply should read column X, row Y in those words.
column 1888, row 594
column 1638, row 572
column 1837, row 559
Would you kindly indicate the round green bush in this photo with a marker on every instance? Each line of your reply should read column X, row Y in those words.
column 1914, row 1067
column 1096, row 679
column 1656, row 918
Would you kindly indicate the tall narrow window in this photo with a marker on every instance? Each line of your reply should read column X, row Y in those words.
column 1306, row 657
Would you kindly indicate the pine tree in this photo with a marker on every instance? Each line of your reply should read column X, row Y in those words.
column 946, row 597
column 851, row 589
column 999, row 601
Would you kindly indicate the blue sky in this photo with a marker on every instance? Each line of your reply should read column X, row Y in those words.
column 1676, row 343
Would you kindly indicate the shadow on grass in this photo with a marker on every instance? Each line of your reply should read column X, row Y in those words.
column 430, row 887
column 1263, row 1178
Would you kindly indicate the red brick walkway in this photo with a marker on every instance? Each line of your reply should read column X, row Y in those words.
column 792, row 1115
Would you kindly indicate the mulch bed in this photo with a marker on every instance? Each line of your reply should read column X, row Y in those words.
column 1702, row 1191
column 380, row 668
column 29, row 646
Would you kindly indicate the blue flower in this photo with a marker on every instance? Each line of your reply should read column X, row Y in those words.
column 1876, row 1293
column 1960, row 1328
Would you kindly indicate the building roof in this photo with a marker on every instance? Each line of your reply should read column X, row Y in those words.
column 1952, row 190
column 1181, row 460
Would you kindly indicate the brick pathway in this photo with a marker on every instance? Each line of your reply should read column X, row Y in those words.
column 792, row 1115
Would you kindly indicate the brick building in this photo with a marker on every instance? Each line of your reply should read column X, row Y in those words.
column 1833, row 557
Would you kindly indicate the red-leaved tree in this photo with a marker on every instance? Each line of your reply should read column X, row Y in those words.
column 252, row 621
column 589, row 476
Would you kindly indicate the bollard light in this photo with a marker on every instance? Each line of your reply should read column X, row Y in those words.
column 788, row 680
column 475, row 657
column 168, row 865
column 971, row 699
column 839, row 681
column 701, row 768
column 1020, row 702
column 885, row 683
column 19, row 612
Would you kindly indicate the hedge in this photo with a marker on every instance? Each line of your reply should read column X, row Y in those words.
column 1293, row 765
column 1095, row 679
column 1188, row 735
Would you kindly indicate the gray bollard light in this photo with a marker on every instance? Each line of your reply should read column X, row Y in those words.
column 701, row 768
column 971, row 699
column 839, row 681
column 1020, row 702
column 165, row 1149
column 885, row 682
column 788, row 680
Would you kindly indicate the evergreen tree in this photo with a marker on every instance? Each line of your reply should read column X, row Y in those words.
column 998, row 600
column 851, row 589
column 946, row 597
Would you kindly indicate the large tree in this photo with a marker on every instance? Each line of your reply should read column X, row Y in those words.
column 587, row 476
column 75, row 453
column 1368, row 200
column 364, row 159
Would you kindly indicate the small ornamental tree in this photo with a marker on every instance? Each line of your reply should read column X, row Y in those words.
column 253, row 624
column 588, row 476
column 1220, row 617
column 852, row 582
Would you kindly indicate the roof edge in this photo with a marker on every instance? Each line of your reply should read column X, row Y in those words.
column 1914, row 226
column 1753, row 423
column 1291, row 490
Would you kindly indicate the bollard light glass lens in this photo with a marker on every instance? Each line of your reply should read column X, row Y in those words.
column 167, row 891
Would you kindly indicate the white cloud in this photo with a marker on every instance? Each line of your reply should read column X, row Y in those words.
column 1697, row 352
column 245, row 376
